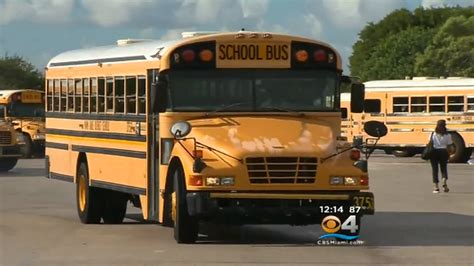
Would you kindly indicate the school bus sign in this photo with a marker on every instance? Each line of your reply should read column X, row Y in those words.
column 253, row 55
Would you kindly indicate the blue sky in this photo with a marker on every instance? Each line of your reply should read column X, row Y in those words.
column 40, row 29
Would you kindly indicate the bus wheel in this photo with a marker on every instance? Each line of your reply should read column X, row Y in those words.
column 6, row 164
column 185, row 226
column 403, row 153
column 27, row 148
column 90, row 201
column 459, row 155
column 115, row 207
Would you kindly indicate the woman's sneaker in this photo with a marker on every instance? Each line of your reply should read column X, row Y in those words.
column 445, row 188
column 436, row 190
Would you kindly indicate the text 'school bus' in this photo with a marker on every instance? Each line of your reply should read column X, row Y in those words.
column 410, row 109
column 25, row 110
column 239, row 127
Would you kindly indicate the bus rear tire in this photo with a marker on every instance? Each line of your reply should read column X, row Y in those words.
column 90, row 201
column 6, row 164
column 461, row 152
column 403, row 153
column 115, row 207
column 186, row 227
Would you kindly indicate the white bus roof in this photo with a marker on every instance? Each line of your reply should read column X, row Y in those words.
column 126, row 50
column 420, row 84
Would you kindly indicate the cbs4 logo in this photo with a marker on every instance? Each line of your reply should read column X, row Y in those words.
column 332, row 224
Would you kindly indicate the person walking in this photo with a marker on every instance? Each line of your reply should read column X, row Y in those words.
column 442, row 147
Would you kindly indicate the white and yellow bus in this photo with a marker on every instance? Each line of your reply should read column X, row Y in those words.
column 25, row 110
column 410, row 109
column 239, row 127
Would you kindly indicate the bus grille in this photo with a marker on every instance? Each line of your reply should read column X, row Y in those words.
column 5, row 137
column 282, row 170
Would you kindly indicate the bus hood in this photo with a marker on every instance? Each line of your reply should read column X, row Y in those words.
column 274, row 136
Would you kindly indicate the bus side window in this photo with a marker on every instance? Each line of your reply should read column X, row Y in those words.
column 131, row 98
column 78, row 95
column 93, row 95
column 372, row 106
column 109, row 104
column 437, row 104
column 70, row 95
column 141, row 94
column 101, row 95
column 470, row 103
column 57, row 94
column 455, row 103
column 418, row 104
column 119, row 94
column 63, row 94
column 86, row 94
column 400, row 104
column 50, row 95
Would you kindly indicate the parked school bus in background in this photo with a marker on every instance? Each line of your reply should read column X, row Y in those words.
column 239, row 127
column 9, row 149
column 410, row 109
column 24, row 109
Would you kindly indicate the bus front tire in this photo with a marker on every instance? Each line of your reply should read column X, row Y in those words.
column 186, row 227
column 27, row 148
column 6, row 164
column 90, row 201
column 115, row 207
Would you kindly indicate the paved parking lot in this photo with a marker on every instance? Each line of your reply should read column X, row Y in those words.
column 39, row 226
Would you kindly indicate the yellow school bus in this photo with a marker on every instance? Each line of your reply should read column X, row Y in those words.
column 410, row 109
column 9, row 149
column 25, row 110
column 238, row 127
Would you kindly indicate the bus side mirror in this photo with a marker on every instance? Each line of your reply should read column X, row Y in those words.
column 159, row 96
column 357, row 97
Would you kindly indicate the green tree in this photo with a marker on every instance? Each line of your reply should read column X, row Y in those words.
column 17, row 73
column 372, row 57
column 394, row 57
column 451, row 52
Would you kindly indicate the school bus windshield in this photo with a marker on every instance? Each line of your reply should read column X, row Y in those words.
column 18, row 109
column 253, row 90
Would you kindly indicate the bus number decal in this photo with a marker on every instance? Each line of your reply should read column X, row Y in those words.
column 96, row 125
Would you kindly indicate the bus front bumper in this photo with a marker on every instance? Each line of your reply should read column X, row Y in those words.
column 276, row 208
column 10, row 152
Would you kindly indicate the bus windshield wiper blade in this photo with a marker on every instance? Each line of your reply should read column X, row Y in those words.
column 226, row 107
column 280, row 109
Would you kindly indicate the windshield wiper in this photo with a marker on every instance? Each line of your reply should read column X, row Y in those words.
column 280, row 109
column 226, row 107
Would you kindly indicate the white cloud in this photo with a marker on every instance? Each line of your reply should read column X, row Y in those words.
column 47, row 11
column 313, row 24
column 108, row 13
column 441, row 3
column 354, row 14
column 253, row 8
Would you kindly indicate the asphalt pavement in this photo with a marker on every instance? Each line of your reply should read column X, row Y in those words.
column 39, row 226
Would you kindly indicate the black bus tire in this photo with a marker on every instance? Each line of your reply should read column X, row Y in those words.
column 90, row 203
column 115, row 207
column 6, row 164
column 186, row 227
column 459, row 155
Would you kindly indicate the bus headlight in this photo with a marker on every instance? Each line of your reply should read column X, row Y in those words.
column 20, row 139
column 220, row 181
column 336, row 180
column 38, row 136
